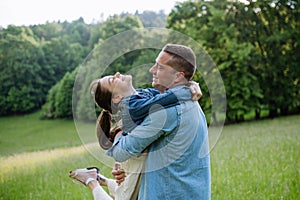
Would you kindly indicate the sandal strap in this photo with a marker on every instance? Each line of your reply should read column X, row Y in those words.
column 89, row 180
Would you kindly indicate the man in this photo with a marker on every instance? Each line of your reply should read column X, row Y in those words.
column 178, row 162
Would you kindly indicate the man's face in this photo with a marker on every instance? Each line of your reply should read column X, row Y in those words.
column 163, row 74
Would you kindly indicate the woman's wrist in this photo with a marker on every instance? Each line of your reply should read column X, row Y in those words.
column 119, row 134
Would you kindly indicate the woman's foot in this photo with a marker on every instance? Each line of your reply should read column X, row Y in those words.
column 84, row 175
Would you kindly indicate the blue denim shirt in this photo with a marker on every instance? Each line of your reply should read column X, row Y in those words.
column 178, row 162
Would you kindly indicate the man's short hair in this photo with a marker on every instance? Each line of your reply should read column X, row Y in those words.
column 184, row 59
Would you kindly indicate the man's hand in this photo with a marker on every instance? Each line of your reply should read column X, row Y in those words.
column 118, row 173
column 195, row 90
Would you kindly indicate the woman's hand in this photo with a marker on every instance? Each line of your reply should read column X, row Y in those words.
column 195, row 90
column 119, row 134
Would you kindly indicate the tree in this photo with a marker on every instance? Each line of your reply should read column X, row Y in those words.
column 115, row 24
column 48, row 109
column 59, row 98
column 152, row 19
column 63, row 97
column 206, row 22
column 272, row 28
column 20, row 60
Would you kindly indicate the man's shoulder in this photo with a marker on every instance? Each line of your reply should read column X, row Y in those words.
column 182, row 92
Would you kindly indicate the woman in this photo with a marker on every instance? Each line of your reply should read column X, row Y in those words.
column 113, row 94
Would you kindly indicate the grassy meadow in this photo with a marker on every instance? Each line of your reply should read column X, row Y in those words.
column 253, row 160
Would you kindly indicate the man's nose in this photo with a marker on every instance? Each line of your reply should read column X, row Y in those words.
column 152, row 70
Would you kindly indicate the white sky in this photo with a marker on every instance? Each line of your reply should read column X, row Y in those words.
column 29, row 12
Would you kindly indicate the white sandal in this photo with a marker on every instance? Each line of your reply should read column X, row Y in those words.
column 85, row 175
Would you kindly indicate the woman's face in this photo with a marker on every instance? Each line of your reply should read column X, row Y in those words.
column 118, row 84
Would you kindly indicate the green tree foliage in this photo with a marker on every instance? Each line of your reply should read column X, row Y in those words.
column 60, row 57
column 206, row 22
column 254, row 48
column 33, row 59
column 20, row 60
column 152, row 19
column 78, row 32
column 273, row 30
column 49, row 107
column 254, row 45
column 60, row 97
column 100, row 53
column 116, row 24
column 63, row 99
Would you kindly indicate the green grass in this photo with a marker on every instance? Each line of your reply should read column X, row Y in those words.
column 258, row 160
column 254, row 160
column 28, row 133
column 44, row 174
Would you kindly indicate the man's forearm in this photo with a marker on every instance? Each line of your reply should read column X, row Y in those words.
column 117, row 152
column 141, row 137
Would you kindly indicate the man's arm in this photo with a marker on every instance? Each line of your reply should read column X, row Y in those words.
column 139, row 107
column 154, row 126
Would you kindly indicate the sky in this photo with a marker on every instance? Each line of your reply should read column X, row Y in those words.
column 30, row 12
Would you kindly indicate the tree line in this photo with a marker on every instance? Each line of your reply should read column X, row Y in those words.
column 35, row 59
column 255, row 47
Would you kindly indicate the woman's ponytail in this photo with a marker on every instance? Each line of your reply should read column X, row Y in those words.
column 103, row 130
column 103, row 98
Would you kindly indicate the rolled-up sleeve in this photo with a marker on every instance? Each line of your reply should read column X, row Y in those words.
column 120, row 155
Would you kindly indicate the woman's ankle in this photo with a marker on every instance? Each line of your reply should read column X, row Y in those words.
column 93, row 184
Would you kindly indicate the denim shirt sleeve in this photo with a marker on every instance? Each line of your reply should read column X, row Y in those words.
column 154, row 126
column 139, row 107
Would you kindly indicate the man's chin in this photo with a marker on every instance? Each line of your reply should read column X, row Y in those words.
column 155, row 85
column 158, row 87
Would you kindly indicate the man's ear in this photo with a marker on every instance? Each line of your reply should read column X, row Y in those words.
column 179, row 76
column 117, row 99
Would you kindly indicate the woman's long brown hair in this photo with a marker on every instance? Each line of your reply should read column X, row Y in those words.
column 103, row 98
